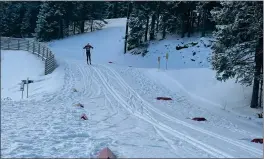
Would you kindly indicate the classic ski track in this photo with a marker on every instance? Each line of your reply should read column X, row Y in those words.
column 132, row 104
column 89, row 75
column 228, row 140
column 161, row 126
column 66, row 92
column 72, row 72
column 101, row 94
column 180, row 97
column 187, row 150
column 63, row 96
column 167, row 140
column 66, row 88
column 85, row 78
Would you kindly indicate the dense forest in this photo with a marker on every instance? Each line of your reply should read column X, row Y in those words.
column 52, row 20
column 237, row 27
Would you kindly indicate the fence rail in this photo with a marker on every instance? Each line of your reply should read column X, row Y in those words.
column 32, row 46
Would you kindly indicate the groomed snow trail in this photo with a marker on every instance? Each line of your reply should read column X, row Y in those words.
column 113, row 108
column 139, row 110
column 142, row 108
column 122, row 111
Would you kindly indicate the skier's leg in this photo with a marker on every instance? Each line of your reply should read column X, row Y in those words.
column 90, row 58
column 87, row 55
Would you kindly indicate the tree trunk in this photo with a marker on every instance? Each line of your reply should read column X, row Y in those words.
column 91, row 26
column 152, row 31
column 164, row 27
column 115, row 9
column 158, row 16
column 189, row 23
column 61, row 29
column 261, row 89
column 147, row 27
column 258, row 61
column 198, row 23
column 204, row 19
column 183, row 26
column 66, row 27
column 74, row 26
column 82, row 26
column 192, row 22
column 129, row 9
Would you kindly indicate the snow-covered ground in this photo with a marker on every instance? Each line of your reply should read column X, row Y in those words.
column 20, row 65
column 119, row 100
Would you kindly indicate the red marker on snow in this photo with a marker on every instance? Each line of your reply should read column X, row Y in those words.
column 257, row 141
column 199, row 119
column 84, row 117
column 163, row 98
column 106, row 153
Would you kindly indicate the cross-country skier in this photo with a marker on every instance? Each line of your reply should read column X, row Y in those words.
column 88, row 52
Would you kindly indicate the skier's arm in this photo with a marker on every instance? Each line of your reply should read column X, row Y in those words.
column 84, row 46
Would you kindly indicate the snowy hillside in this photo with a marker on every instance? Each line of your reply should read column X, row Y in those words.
column 20, row 65
column 119, row 99
column 195, row 56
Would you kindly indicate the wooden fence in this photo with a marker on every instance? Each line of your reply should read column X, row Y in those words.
column 32, row 46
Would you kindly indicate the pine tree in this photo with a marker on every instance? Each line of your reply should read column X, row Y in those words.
column 237, row 52
column 12, row 18
column 49, row 23
column 203, row 9
column 90, row 10
column 136, row 23
column 166, row 18
column 129, row 10
column 98, row 13
column 116, row 9
column 154, row 14
column 3, row 18
column 29, row 18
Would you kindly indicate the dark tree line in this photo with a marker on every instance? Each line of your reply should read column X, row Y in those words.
column 53, row 19
column 237, row 26
column 155, row 19
column 238, row 52
column 18, row 19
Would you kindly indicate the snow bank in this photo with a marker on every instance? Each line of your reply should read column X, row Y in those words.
column 201, row 85
column 195, row 56
column 20, row 65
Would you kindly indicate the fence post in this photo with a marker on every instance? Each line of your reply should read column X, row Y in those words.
column 8, row 44
column 43, row 53
column 27, row 86
column 159, row 62
column 33, row 47
column 28, row 46
column 46, row 67
column 38, row 49
column 18, row 44
column 53, row 62
column 47, row 53
column 22, row 88
column 43, row 49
